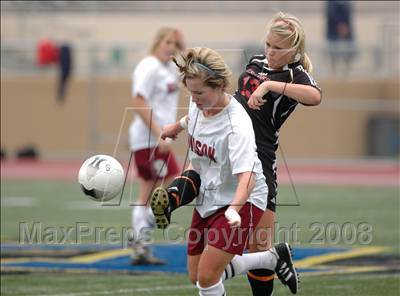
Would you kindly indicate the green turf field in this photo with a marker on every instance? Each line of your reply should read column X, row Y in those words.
column 78, row 285
column 369, row 212
column 323, row 211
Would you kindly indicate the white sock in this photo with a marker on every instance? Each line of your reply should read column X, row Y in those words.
column 142, row 220
column 216, row 290
column 246, row 262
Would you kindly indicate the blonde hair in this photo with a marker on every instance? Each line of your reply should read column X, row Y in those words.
column 204, row 63
column 289, row 27
column 160, row 35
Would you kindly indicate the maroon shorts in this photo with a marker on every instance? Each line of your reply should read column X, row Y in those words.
column 215, row 231
column 151, row 164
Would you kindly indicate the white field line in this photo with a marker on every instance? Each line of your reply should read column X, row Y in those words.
column 18, row 201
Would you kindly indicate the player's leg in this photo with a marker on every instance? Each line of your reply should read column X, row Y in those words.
column 223, row 243
column 261, row 239
column 140, row 215
column 260, row 260
column 262, row 280
column 153, row 168
column 210, row 268
column 181, row 191
column 263, row 264
column 196, row 244
column 192, row 265
column 142, row 224
column 278, row 258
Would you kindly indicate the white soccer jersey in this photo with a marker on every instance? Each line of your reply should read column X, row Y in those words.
column 220, row 147
column 158, row 84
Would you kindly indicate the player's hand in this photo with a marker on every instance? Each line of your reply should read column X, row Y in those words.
column 171, row 131
column 256, row 99
column 164, row 145
column 233, row 217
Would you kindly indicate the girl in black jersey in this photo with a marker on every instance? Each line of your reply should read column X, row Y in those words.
column 269, row 89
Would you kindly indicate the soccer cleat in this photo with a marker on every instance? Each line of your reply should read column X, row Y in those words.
column 142, row 255
column 284, row 268
column 147, row 260
column 159, row 203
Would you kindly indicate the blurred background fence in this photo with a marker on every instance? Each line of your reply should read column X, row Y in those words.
column 359, row 116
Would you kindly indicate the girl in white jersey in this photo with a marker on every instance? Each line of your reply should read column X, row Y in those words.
column 269, row 88
column 231, row 198
column 155, row 97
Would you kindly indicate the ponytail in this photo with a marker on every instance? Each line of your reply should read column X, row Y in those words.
column 306, row 63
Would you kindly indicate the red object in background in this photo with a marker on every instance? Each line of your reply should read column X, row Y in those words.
column 47, row 53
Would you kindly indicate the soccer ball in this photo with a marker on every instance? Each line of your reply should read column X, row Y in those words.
column 101, row 177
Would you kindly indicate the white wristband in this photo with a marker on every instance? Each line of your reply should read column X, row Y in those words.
column 183, row 122
column 233, row 216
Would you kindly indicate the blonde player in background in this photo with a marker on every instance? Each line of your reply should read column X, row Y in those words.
column 224, row 162
column 155, row 94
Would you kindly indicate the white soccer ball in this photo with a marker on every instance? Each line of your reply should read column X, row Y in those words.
column 101, row 177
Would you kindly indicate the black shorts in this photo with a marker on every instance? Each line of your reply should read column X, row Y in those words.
column 270, row 179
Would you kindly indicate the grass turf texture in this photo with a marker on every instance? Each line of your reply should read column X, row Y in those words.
column 61, row 204
column 323, row 213
column 86, row 285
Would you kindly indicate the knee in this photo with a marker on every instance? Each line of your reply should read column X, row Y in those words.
column 257, row 248
column 260, row 241
column 207, row 279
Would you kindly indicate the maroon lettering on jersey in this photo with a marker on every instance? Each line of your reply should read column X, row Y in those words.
column 201, row 149
column 172, row 87
column 191, row 140
column 211, row 153
column 197, row 148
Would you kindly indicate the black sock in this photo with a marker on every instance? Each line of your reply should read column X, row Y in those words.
column 261, row 281
column 183, row 189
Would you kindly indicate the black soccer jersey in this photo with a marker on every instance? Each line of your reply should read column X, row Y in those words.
column 268, row 120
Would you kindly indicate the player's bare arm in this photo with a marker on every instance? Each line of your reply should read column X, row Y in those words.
column 304, row 94
column 173, row 130
column 246, row 183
